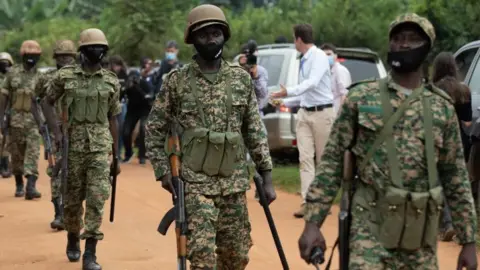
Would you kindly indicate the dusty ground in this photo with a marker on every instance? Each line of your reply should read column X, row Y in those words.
column 132, row 242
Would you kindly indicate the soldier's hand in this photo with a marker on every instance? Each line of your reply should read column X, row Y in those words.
column 118, row 170
column 468, row 257
column 268, row 186
column 167, row 182
column 311, row 237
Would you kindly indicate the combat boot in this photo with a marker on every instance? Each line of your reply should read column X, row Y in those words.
column 73, row 247
column 57, row 223
column 89, row 257
column 6, row 173
column 32, row 192
column 19, row 192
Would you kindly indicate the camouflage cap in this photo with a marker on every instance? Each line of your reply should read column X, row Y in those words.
column 414, row 18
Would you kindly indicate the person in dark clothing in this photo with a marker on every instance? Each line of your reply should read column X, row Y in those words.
column 281, row 39
column 170, row 62
column 139, row 92
column 118, row 66
column 445, row 77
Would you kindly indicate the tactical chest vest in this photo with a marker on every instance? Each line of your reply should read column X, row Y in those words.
column 399, row 218
column 22, row 96
column 208, row 151
column 87, row 100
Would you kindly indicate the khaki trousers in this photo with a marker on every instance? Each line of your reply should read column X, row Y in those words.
column 313, row 129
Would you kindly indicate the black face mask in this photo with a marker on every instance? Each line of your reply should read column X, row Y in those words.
column 209, row 52
column 93, row 54
column 30, row 59
column 408, row 61
column 4, row 67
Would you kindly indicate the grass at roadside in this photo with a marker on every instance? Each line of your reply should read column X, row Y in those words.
column 287, row 178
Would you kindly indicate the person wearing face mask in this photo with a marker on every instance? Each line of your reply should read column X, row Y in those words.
column 89, row 102
column 169, row 62
column 17, row 92
column 64, row 54
column 341, row 78
column 406, row 139
column 6, row 62
column 213, row 101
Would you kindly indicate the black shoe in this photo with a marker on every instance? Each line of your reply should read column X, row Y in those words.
column 73, row 247
column 19, row 191
column 142, row 161
column 127, row 159
column 57, row 222
column 89, row 257
column 32, row 192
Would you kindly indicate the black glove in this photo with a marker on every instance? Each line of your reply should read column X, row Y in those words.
column 268, row 186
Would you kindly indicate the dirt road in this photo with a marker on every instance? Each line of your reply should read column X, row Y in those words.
column 131, row 242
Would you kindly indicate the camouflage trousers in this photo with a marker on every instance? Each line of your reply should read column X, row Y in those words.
column 24, row 146
column 218, row 225
column 366, row 252
column 55, row 184
column 5, row 149
column 88, row 179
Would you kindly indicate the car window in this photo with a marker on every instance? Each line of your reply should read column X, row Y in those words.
column 464, row 61
column 273, row 64
column 474, row 85
column 360, row 69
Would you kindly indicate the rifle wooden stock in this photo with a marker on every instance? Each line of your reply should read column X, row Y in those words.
column 177, row 213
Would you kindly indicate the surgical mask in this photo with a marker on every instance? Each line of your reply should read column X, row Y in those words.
column 30, row 59
column 93, row 54
column 170, row 56
column 209, row 52
column 408, row 61
column 331, row 60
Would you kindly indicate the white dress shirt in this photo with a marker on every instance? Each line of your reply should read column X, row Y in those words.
column 315, row 87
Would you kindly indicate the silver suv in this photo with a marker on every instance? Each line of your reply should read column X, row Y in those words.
column 282, row 63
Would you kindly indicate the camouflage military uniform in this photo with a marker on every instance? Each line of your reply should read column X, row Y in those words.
column 41, row 91
column 6, row 154
column 24, row 138
column 90, row 99
column 216, row 206
column 362, row 115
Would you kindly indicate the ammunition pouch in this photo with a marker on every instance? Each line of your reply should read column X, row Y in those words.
column 23, row 100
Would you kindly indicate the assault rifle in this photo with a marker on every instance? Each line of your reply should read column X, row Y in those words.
column 177, row 213
column 47, row 142
column 113, row 176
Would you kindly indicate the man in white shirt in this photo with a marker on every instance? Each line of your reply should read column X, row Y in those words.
column 314, row 96
column 341, row 78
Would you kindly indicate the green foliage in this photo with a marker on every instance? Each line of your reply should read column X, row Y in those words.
column 46, row 33
column 138, row 28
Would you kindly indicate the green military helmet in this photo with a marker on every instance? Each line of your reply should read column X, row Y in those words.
column 92, row 36
column 205, row 15
column 414, row 18
column 6, row 56
column 66, row 47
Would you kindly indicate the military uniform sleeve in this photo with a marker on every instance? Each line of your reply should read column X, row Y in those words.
column 454, row 178
column 40, row 86
column 156, row 129
column 253, row 131
column 114, row 106
column 327, row 182
column 5, row 86
column 55, row 87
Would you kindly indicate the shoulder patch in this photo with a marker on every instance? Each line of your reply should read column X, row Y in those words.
column 439, row 92
column 371, row 80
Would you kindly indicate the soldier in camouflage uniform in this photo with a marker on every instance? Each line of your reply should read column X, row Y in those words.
column 64, row 54
column 398, row 198
column 89, row 103
column 215, row 104
column 6, row 62
column 24, row 139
